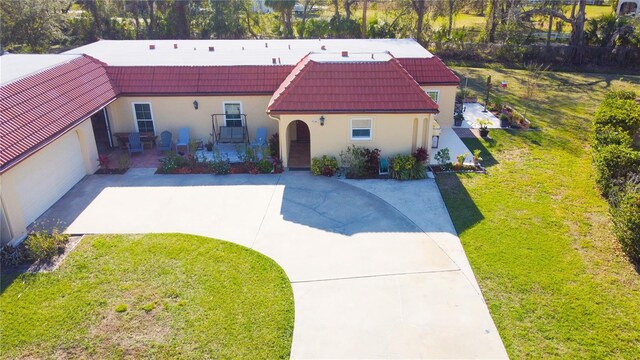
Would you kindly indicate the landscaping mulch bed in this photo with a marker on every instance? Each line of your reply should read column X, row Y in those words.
column 111, row 171
column 435, row 169
column 11, row 270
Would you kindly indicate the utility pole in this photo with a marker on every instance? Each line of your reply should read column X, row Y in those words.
column 486, row 102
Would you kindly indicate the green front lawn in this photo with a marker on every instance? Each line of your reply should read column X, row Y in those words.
column 185, row 297
column 538, row 234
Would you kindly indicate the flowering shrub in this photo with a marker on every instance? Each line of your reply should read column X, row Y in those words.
column 325, row 165
column 170, row 163
column 277, row 166
column 103, row 161
column 421, row 154
column 220, row 167
column 406, row 167
column 264, row 166
column 360, row 162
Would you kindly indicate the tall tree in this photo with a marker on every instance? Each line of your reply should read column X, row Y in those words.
column 420, row 8
column 285, row 9
column 364, row 18
column 308, row 7
column 347, row 4
column 35, row 23
column 178, row 21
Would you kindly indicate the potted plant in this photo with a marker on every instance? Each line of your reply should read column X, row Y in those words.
column 476, row 157
column 209, row 146
column 484, row 129
column 458, row 119
column 504, row 120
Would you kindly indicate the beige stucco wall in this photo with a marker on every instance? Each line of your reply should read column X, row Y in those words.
column 43, row 178
column 173, row 112
column 446, row 103
column 391, row 133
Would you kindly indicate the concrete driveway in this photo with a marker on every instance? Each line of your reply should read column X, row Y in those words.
column 376, row 267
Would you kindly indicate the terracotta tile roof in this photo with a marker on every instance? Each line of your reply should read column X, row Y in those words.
column 350, row 87
column 159, row 80
column 38, row 108
column 429, row 71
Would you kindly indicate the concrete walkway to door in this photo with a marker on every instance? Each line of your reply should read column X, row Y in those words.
column 368, row 281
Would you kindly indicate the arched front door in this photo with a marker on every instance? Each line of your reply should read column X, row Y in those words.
column 299, row 139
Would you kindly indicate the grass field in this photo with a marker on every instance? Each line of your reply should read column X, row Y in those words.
column 181, row 296
column 538, row 234
column 476, row 21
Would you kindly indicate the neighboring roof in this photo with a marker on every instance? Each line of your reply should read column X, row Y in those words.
column 238, row 52
column 14, row 67
column 430, row 71
column 38, row 108
column 170, row 80
column 350, row 87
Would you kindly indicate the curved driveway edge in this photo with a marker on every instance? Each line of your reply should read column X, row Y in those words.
column 370, row 280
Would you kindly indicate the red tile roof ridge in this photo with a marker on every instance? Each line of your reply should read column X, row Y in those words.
column 311, row 91
column 413, row 80
column 289, row 80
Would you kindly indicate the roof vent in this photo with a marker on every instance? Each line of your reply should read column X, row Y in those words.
column 211, row 48
column 266, row 45
column 152, row 47
column 323, row 47
column 274, row 61
column 243, row 48
column 345, row 54
column 279, row 61
column 289, row 46
column 372, row 56
column 175, row 46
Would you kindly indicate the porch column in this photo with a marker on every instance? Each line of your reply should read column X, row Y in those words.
column 283, row 124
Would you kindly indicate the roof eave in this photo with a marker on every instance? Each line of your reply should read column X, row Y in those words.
column 354, row 111
column 18, row 159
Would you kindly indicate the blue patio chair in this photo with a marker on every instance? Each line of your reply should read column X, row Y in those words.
column 165, row 142
column 384, row 167
column 261, row 137
column 134, row 145
column 183, row 138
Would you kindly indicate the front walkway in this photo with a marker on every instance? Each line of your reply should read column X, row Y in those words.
column 449, row 139
column 376, row 267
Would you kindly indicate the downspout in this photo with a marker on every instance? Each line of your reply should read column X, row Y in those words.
column 280, row 136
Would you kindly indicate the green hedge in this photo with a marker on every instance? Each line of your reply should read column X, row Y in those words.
column 626, row 221
column 617, row 161
column 614, row 162
column 616, row 113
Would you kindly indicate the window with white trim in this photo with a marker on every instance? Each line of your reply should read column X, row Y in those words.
column 144, row 117
column 233, row 114
column 361, row 129
column 434, row 95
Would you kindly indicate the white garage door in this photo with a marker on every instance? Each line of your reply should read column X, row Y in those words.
column 50, row 173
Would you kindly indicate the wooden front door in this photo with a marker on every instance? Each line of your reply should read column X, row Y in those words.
column 302, row 132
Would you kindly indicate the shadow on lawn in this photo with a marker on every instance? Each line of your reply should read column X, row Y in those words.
column 474, row 143
column 463, row 211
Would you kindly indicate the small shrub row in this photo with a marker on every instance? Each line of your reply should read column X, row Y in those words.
column 174, row 163
column 325, row 165
column 40, row 246
column 616, row 123
column 363, row 163
column 360, row 162
column 407, row 167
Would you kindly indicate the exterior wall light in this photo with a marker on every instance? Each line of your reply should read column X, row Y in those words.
column 195, row 104
column 321, row 120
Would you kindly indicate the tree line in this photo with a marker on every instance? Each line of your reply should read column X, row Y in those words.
column 43, row 25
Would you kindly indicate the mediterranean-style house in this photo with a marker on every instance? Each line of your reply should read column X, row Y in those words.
column 59, row 111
